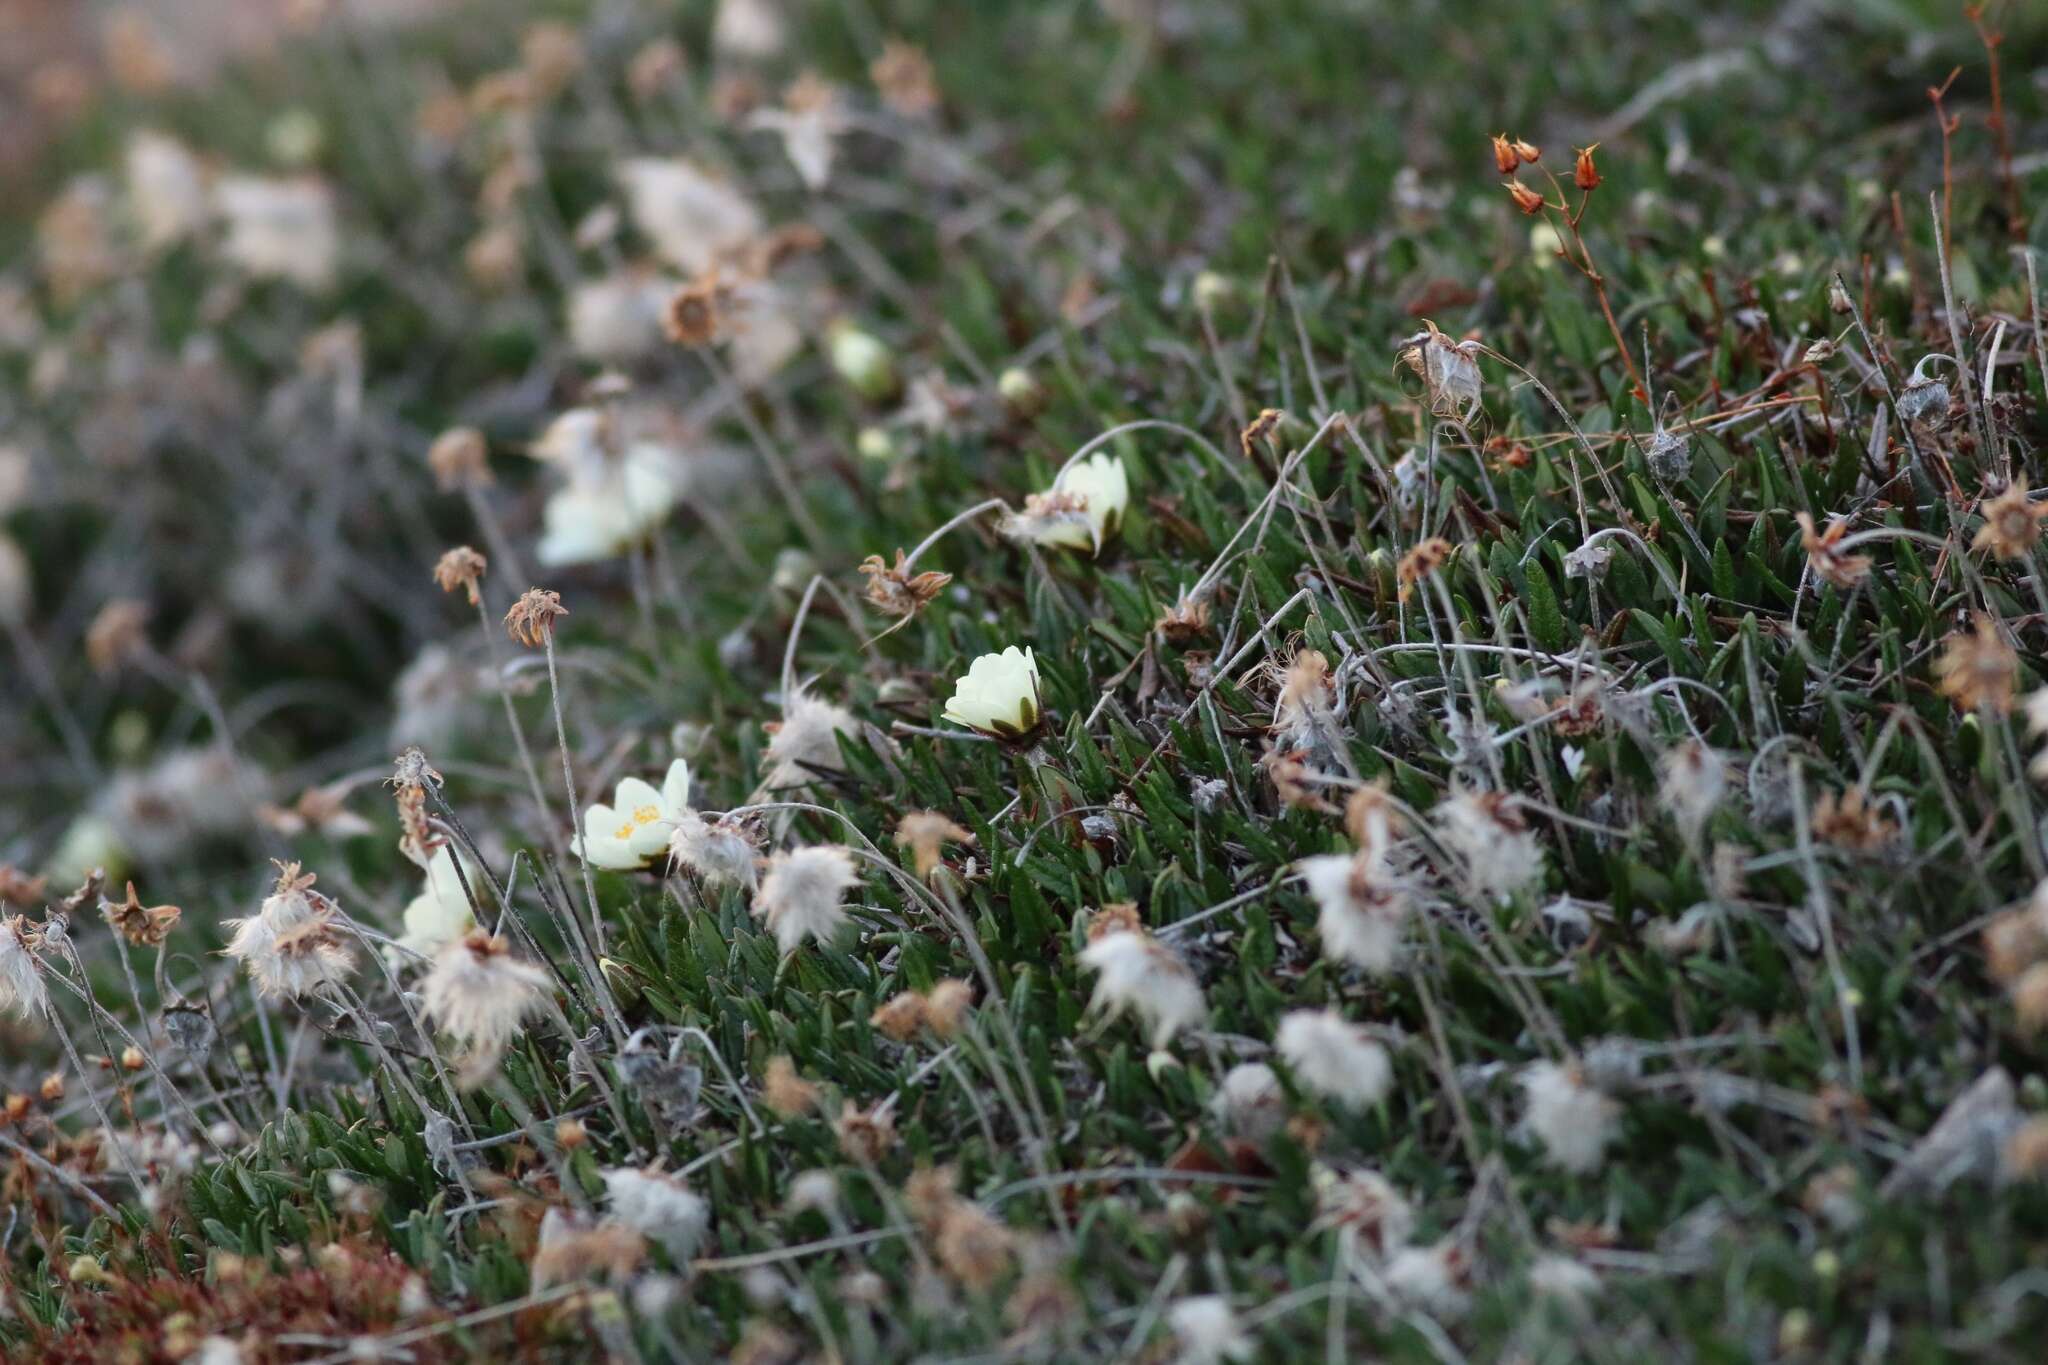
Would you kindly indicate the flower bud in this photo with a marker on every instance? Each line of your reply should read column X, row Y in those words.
column 864, row 361
column 999, row 695
column 1213, row 290
column 1021, row 392
column 1526, row 199
column 875, row 443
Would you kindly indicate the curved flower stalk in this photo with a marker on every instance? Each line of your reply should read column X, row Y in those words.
column 999, row 695
column 636, row 828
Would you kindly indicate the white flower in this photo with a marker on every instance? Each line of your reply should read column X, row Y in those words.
column 1138, row 972
column 1331, row 1055
column 1208, row 1331
column 188, row 796
column 284, row 229
column 89, row 842
column 1488, row 833
column 1360, row 907
column 479, row 994
column 1545, row 243
column 440, row 913
column 1571, row 1120
column 1084, row 507
column 805, row 742
column 1434, row 1279
column 716, row 850
column 616, row 319
column 21, row 980
column 636, row 827
column 812, row 1191
column 694, row 219
column 999, row 694
column 660, row 1208
column 602, row 515
column 810, row 122
column 800, row 895
column 1249, row 1103
column 166, row 188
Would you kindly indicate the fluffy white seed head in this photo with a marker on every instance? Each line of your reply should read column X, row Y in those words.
column 1333, row 1056
column 799, row 897
column 1569, row 1119
column 806, row 741
column 21, row 980
column 1250, row 1103
column 660, row 1208
column 1692, row 780
column 1365, row 1207
column 1360, row 908
column 479, row 994
column 1137, row 972
column 292, row 945
column 719, row 851
column 1207, row 1331
column 1493, row 842
column 1435, row 1279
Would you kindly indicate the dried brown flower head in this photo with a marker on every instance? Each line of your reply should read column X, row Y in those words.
column 696, row 314
column 973, row 1247
column 784, row 1091
column 143, row 926
column 896, row 590
column 319, row 810
column 1528, row 151
column 1419, row 563
column 1823, row 555
column 1294, row 781
column 1526, row 199
column 1847, row 819
column 865, row 1135
column 461, row 567
column 1186, row 619
column 20, row 890
column 924, row 833
column 570, row 1252
column 116, row 634
column 1977, row 668
column 459, row 458
column 904, row 79
column 946, row 1005
column 531, row 622
column 551, row 54
column 1263, row 428
column 900, row 1018
column 2011, row 524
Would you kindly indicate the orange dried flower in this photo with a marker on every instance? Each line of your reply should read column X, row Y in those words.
column 459, row 458
column 1584, row 173
column 1823, row 554
column 2011, row 524
column 1504, row 158
column 1977, row 668
column 143, row 926
column 1528, row 151
column 1420, row 562
column 1526, row 199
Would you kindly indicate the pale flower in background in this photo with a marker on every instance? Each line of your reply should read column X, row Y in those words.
column 634, row 830
column 810, row 121
column 280, row 228
column 999, row 694
column 440, row 914
column 605, row 514
column 166, row 189
column 660, row 1208
column 694, row 219
column 21, row 980
column 1568, row 1118
column 749, row 28
column 1084, row 507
